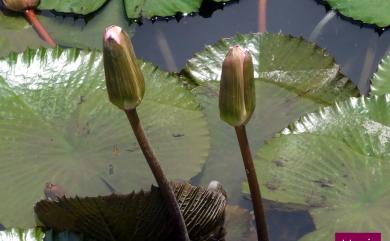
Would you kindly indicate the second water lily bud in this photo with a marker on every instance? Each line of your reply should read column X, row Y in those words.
column 20, row 5
column 124, row 79
column 237, row 96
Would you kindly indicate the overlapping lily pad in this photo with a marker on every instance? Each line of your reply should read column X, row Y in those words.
column 335, row 163
column 367, row 11
column 293, row 77
column 381, row 81
column 134, row 8
column 137, row 216
column 56, row 125
column 17, row 35
column 162, row 8
column 72, row 6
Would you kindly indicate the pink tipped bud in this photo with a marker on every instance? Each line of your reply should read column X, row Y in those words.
column 237, row 96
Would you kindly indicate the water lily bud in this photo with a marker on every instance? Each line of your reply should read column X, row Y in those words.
column 237, row 96
column 124, row 79
column 20, row 5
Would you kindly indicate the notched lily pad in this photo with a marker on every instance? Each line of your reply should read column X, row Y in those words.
column 381, row 80
column 57, row 125
column 137, row 216
column 72, row 6
column 337, row 167
column 368, row 11
column 293, row 77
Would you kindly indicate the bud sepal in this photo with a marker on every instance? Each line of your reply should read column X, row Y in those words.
column 237, row 96
column 124, row 78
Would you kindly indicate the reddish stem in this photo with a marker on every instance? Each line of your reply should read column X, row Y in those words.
column 32, row 18
column 261, row 225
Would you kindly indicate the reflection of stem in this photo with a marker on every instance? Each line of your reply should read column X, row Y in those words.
column 254, row 188
column 317, row 30
column 162, row 181
column 32, row 18
column 262, row 16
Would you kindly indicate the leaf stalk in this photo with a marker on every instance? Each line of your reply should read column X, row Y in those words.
column 162, row 181
column 261, row 225
column 34, row 21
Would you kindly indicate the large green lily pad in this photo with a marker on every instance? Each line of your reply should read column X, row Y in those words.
column 367, row 11
column 335, row 163
column 381, row 80
column 56, row 125
column 293, row 77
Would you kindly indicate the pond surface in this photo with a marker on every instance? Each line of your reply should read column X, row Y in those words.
column 357, row 48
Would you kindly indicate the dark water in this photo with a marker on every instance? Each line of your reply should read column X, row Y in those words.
column 357, row 48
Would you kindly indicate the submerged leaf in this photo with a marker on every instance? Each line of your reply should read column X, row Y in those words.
column 335, row 163
column 57, row 125
column 137, row 216
column 292, row 77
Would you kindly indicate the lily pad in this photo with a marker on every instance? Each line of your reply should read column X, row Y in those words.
column 57, row 125
column 65, row 30
column 367, row 11
column 336, row 165
column 381, row 81
column 16, row 234
column 17, row 35
column 293, row 77
column 137, row 216
column 37, row 234
column 162, row 8
column 72, row 6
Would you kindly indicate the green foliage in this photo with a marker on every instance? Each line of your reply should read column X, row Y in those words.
column 57, row 125
column 292, row 77
column 368, row 11
column 335, row 164
column 381, row 81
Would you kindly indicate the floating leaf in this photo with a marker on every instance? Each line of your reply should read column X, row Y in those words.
column 162, row 8
column 72, row 6
column 57, row 125
column 16, row 234
column 140, row 216
column 293, row 77
column 17, row 35
column 71, row 32
column 36, row 234
column 381, row 81
column 367, row 11
column 335, row 163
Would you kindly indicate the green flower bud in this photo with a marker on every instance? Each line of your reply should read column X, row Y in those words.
column 237, row 96
column 124, row 79
column 20, row 5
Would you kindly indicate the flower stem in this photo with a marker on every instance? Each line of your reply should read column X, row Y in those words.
column 254, row 188
column 32, row 18
column 162, row 181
